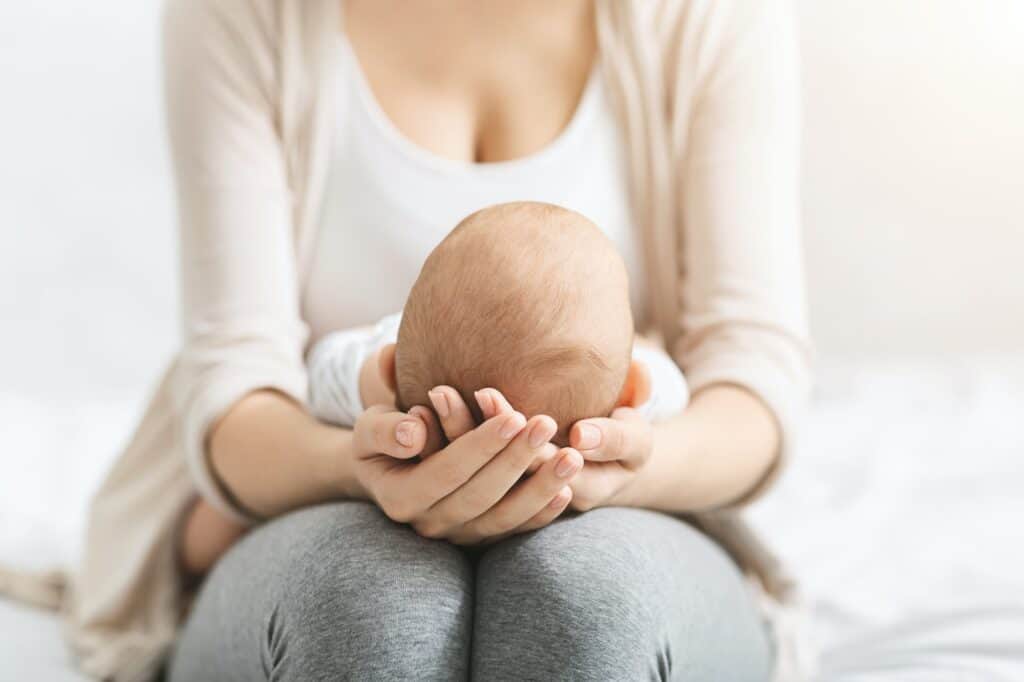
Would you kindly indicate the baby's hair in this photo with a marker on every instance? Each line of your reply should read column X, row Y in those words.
column 528, row 298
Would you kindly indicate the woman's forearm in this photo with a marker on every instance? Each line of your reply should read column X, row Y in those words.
column 272, row 456
column 712, row 454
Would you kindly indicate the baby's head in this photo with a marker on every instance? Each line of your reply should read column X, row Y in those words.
column 527, row 298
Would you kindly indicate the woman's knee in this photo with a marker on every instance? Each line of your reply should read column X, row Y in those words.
column 345, row 593
column 375, row 598
column 570, row 595
column 617, row 594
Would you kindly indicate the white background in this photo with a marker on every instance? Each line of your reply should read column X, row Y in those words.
column 914, row 174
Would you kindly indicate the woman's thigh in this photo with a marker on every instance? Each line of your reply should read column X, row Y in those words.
column 329, row 593
column 615, row 594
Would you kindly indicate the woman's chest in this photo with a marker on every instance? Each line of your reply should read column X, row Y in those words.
column 474, row 81
column 388, row 201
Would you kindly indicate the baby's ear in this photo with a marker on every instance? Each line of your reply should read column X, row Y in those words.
column 386, row 365
column 637, row 388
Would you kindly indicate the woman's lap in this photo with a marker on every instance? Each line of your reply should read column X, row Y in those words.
column 616, row 594
column 341, row 592
column 331, row 592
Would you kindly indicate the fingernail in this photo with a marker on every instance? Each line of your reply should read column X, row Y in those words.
column 567, row 465
column 540, row 433
column 590, row 437
column 485, row 401
column 440, row 402
column 560, row 499
column 512, row 425
column 404, row 433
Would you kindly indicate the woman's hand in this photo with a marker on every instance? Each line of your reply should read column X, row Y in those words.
column 615, row 449
column 467, row 491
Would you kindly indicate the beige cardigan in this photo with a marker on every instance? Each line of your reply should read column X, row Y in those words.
column 706, row 91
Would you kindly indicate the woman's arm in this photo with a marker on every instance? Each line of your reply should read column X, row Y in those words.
column 268, row 447
column 282, row 457
column 240, row 378
column 268, row 431
column 272, row 455
column 724, row 445
column 743, row 318
column 744, row 345
column 710, row 455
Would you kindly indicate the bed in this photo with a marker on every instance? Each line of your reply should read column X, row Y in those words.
column 901, row 513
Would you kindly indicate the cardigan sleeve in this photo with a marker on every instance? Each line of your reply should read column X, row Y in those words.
column 743, row 299
column 240, row 295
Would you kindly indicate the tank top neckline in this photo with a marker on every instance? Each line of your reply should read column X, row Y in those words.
column 584, row 113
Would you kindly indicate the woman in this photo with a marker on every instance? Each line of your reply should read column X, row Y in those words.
column 302, row 130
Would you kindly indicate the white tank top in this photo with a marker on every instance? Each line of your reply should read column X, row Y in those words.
column 388, row 202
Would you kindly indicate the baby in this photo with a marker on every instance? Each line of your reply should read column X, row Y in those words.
column 528, row 298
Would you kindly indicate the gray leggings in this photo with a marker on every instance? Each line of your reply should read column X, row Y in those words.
column 340, row 592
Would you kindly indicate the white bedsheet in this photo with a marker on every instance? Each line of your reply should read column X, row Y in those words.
column 901, row 514
column 31, row 647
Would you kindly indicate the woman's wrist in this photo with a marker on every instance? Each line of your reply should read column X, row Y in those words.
column 710, row 455
column 653, row 482
column 334, row 456
column 271, row 456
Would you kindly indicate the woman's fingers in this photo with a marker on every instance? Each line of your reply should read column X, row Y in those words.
column 492, row 481
column 435, row 436
column 406, row 493
column 625, row 436
column 455, row 417
column 492, row 402
column 446, row 471
column 597, row 483
column 549, row 513
column 382, row 430
column 540, row 460
column 526, row 501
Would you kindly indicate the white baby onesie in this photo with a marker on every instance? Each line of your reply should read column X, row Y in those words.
column 336, row 360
